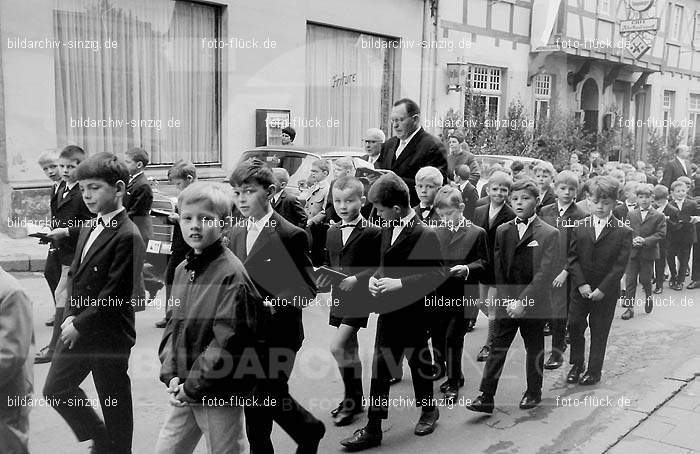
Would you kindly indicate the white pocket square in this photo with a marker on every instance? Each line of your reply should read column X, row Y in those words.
column 533, row 243
column 268, row 260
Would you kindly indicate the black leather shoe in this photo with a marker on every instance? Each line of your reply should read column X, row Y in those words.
column 483, row 404
column 530, row 401
column 547, row 329
column 554, row 361
column 589, row 379
column 362, row 439
column 427, row 421
column 43, row 356
column 692, row 285
column 49, row 322
column 310, row 446
column 161, row 323
column 574, row 374
column 483, row 354
column 677, row 286
column 395, row 380
column 346, row 416
column 446, row 384
column 470, row 326
column 438, row 372
column 451, row 394
column 658, row 290
column 628, row 314
column 649, row 304
column 337, row 409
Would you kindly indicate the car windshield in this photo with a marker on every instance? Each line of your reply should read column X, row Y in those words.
column 298, row 165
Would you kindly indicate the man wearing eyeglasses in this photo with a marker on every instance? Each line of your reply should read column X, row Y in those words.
column 373, row 141
column 412, row 147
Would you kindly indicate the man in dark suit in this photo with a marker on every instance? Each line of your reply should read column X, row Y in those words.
column 562, row 215
column 275, row 255
column 677, row 167
column 409, row 271
column 598, row 255
column 670, row 213
column 373, row 141
column 412, row 147
column 98, row 330
column 286, row 204
column 459, row 154
column 469, row 195
column 649, row 228
column 139, row 195
column 681, row 242
column 525, row 250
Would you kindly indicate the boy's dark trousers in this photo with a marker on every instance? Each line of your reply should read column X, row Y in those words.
column 447, row 334
column 600, row 316
column 532, row 332
column 109, row 371
column 660, row 266
column 637, row 266
column 683, row 255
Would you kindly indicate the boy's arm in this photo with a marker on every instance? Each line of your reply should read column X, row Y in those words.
column 371, row 258
column 140, row 201
column 612, row 280
column 233, row 338
column 543, row 276
column 498, row 268
column 165, row 354
column 573, row 265
column 428, row 266
column 16, row 334
column 79, row 222
column 304, row 283
column 659, row 232
column 126, row 266
column 480, row 250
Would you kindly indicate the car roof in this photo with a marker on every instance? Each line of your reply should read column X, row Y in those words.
column 316, row 151
column 507, row 156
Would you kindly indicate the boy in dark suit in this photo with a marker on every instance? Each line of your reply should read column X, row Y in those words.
column 544, row 174
column 352, row 248
column 428, row 182
column 598, row 254
column 670, row 212
column 98, row 330
column 629, row 192
column 524, row 252
column 649, row 227
column 682, row 240
column 139, row 195
column 469, row 194
column 275, row 255
column 181, row 174
column 464, row 249
column 489, row 217
column 285, row 203
column 70, row 215
column 562, row 215
column 409, row 271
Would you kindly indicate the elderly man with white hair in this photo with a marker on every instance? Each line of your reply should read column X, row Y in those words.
column 374, row 138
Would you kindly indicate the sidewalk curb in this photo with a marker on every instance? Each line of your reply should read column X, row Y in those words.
column 673, row 383
column 22, row 263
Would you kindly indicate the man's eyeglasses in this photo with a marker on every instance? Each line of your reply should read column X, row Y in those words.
column 370, row 141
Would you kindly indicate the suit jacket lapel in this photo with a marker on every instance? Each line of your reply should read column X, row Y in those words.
column 511, row 238
column 459, row 237
column 107, row 233
column 529, row 232
column 262, row 239
column 404, row 232
column 607, row 228
column 353, row 235
column 238, row 238
column 409, row 150
column 68, row 195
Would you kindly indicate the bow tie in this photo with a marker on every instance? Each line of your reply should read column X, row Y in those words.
column 520, row 221
column 347, row 226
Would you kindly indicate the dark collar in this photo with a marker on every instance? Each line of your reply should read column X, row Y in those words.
column 196, row 263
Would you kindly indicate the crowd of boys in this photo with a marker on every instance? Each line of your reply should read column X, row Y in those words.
column 541, row 252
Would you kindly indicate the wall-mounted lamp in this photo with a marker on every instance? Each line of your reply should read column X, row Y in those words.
column 456, row 73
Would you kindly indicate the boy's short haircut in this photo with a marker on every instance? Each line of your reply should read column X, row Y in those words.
column 501, row 178
column 431, row 174
column 678, row 183
column 545, row 167
column 138, row 155
column 290, row 132
column 47, row 157
column 216, row 196
column 459, row 138
column 448, row 197
column 660, row 192
column 517, row 166
column 349, row 182
column 605, row 187
column 390, row 190
column 630, row 187
column 616, row 173
column 598, row 162
column 182, row 169
column 103, row 166
column 253, row 171
column 463, row 171
column 73, row 152
column 528, row 185
column 644, row 189
column 566, row 177
column 685, row 180
column 322, row 164
column 281, row 175
column 345, row 163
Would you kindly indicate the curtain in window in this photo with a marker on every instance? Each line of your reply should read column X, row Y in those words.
column 159, row 72
column 349, row 85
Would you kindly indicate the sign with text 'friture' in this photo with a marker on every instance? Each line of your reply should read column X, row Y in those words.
column 639, row 25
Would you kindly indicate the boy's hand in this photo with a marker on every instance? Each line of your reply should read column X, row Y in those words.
column 182, row 396
column 585, row 290
column 174, row 218
column 373, row 287
column 68, row 332
column 515, row 309
column 387, row 284
column 460, row 271
column 57, row 234
column 694, row 219
column 348, row 283
column 637, row 241
column 173, row 386
column 596, row 295
column 323, row 281
column 560, row 280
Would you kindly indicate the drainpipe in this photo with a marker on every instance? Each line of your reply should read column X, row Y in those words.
column 428, row 62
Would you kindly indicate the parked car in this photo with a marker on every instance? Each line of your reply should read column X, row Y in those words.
column 488, row 160
column 297, row 160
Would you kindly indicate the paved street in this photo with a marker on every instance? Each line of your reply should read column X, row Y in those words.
column 642, row 353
